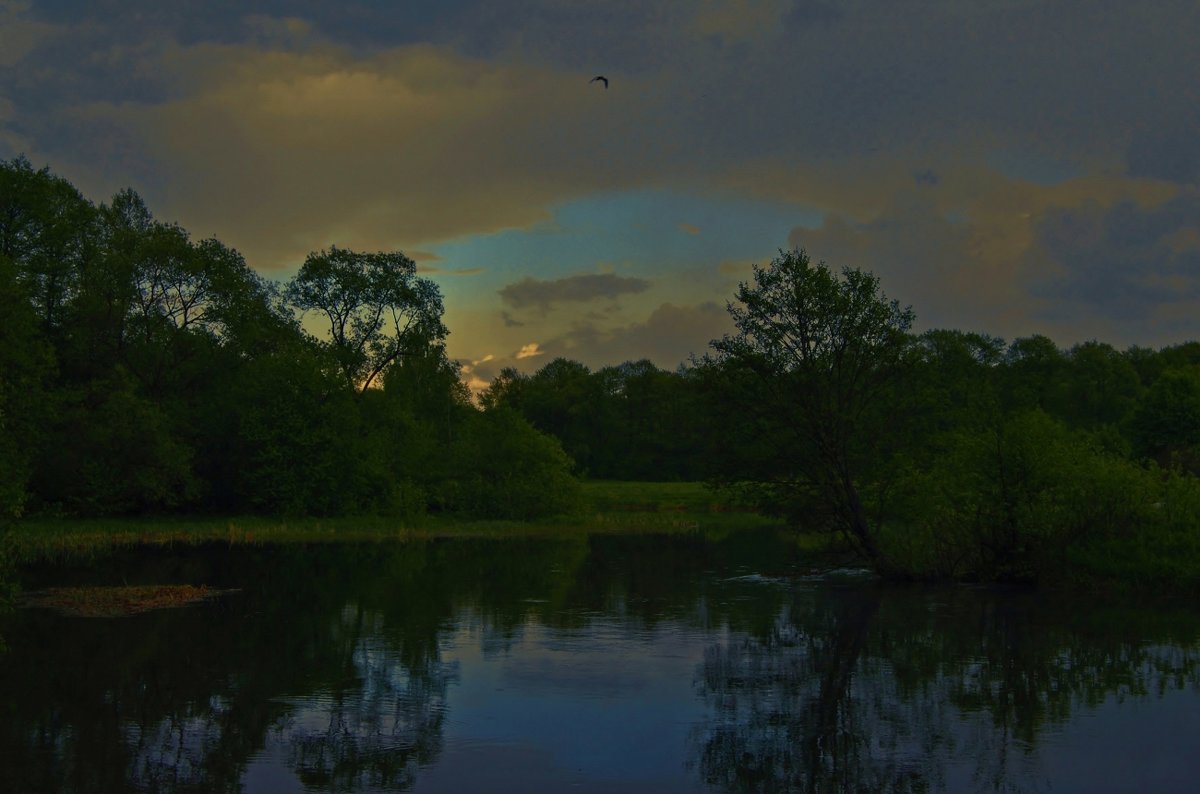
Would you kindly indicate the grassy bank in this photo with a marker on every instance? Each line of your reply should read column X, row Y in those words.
column 607, row 507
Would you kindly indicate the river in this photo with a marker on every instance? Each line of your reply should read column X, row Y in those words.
column 636, row 663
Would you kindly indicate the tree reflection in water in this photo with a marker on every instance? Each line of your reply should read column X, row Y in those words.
column 870, row 690
column 375, row 734
column 326, row 661
column 329, row 666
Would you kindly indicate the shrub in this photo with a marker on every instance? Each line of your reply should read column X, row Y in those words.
column 501, row 467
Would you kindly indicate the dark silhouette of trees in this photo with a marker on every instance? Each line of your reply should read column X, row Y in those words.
column 142, row 371
column 377, row 309
column 811, row 363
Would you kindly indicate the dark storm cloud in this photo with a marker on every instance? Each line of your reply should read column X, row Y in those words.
column 121, row 50
column 615, row 37
column 1170, row 149
column 542, row 295
column 926, row 176
column 807, row 13
column 812, row 77
column 920, row 255
column 353, row 22
column 1124, row 263
column 668, row 336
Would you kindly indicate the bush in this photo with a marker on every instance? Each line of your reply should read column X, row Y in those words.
column 114, row 452
column 1019, row 500
column 501, row 467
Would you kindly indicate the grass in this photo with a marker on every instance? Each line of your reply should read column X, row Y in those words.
column 607, row 507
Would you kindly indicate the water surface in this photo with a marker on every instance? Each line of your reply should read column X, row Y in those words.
column 612, row 663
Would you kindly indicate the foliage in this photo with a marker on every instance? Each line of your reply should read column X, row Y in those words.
column 143, row 372
column 25, row 362
column 632, row 421
column 111, row 450
column 377, row 309
column 1166, row 423
column 502, row 467
column 1011, row 501
column 814, row 357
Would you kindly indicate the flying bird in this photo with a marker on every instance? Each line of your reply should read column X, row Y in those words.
column 602, row 79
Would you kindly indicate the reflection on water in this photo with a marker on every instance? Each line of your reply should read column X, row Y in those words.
column 614, row 663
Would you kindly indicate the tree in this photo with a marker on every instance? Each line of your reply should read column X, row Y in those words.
column 378, row 310
column 1166, row 424
column 46, row 228
column 819, row 352
column 559, row 399
column 1102, row 386
column 1035, row 371
column 954, row 380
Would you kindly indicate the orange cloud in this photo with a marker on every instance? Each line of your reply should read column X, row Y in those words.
column 529, row 351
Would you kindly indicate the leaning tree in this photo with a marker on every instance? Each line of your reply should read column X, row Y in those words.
column 805, row 380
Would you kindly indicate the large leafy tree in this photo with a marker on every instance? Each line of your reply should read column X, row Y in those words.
column 378, row 311
column 46, row 230
column 808, row 374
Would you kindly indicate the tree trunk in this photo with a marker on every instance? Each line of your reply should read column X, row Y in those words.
column 857, row 523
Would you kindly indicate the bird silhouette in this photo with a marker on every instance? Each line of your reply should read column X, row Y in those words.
column 601, row 78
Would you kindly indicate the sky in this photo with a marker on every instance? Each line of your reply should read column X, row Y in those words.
column 1006, row 166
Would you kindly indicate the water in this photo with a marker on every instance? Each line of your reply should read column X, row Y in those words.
column 604, row 664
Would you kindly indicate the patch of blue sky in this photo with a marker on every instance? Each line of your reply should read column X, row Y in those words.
column 643, row 233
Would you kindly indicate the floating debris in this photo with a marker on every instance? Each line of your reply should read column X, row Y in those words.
column 116, row 602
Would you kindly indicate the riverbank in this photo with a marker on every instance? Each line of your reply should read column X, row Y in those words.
column 607, row 507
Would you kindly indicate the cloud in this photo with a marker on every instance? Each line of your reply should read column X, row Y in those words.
column 668, row 336
column 542, row 295
column 689, row 228
column 1169, row 149
column 1135, row 268
column 462, row 271
column 529, row 351
column 926, row 176
column 809, row 13
column 284, row 135
column 285, row 152
column 731, row 268
column 1095, row 257
column 738, row 22
column 477, row 374
column 282, row 32
column 20, row 33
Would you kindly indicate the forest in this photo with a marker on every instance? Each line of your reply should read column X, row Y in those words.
column 146, row 373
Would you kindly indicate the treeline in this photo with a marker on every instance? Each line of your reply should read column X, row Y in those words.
column 943, row 454
column 633, row 421
column 142, row 371
column 636, row 421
